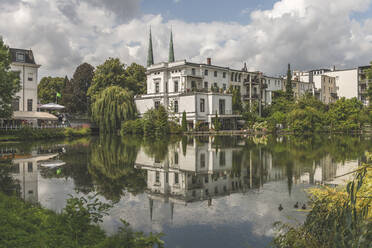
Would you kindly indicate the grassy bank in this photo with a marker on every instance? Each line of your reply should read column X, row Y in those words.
column 39, row 134
column 26, row 225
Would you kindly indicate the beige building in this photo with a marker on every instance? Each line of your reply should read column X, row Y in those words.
column 327, row 89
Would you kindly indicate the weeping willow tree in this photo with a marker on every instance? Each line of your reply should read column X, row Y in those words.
column 113, row 106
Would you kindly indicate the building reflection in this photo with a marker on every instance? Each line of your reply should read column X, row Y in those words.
column 202, row 171
column 25, row 168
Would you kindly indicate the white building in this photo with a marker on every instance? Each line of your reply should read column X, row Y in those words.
column 202, row 90
column 349, row 82
column 25, row 103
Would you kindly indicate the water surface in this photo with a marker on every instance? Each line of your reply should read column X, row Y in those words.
column 200, row 192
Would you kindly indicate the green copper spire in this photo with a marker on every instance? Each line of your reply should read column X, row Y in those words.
column 150, row 55
column 171, row 50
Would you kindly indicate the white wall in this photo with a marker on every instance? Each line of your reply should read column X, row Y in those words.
column 347, row 81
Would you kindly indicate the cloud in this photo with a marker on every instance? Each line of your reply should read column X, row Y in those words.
column 308, row 34
column 176, row 1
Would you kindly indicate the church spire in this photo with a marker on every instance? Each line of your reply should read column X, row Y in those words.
column 150, row 55
column 171, row 50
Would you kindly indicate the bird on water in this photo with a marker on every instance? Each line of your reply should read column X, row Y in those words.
column 280, row 207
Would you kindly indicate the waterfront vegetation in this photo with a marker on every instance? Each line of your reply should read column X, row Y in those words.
column 340, row 217
column 27, row 133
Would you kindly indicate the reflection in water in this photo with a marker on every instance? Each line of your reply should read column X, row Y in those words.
column 184, row 186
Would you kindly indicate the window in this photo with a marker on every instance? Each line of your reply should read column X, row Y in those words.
column 15, row 104
column 193, row 85
column 222, row 106
column 202, row 160
column 15, row 169
column 206, row 179
column 224, row 74
column 202, row 105
column 239, row 78
column 222, row 158
column 205, row 85
column 157, row 87
column 176, row 158
column 157, row 177
column 232, row 76
column 224, row 86
column 175, row 86
column 193, row 71
column 29, row 105
column 176, row 106
column 157, row 103
column 30, row 77
column 236, row 77
column 29, row 167
column 166, row 177
column 176, row 178
column 215, row 73
column 215, row 85
column 206, row 72
column 20, row 57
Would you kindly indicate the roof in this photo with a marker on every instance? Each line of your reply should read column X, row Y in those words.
column 51, row 106
column 23, row 115
column 27, row 55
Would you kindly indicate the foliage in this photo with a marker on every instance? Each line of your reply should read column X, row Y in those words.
column 113, row 73
column 68, row 96
column 174, row 128
column 132, row 127
column 26, row 225
column 80, row 83
column 369, row 85
column 184, row 122
column 47, row 133
column 201, row 126
column 113, row 106
column 345, row 115
column 48, row 89
column 288, row 85
column 339, row 218
column 305, row 120
column 156, row 123
column 216, row 123
column 237, row 105
column 10, row 83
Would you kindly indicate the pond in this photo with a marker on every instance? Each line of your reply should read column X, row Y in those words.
column 198, row 191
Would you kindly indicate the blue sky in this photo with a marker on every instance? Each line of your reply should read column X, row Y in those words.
column 216, row 10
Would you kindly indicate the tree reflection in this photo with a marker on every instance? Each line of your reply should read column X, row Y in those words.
column 8, row 185
column 112, row 167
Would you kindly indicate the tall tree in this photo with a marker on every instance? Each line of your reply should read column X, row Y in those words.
column 135, row 77
column 49, row 87
column 111, row 107
column 288, row 85
column 81, row 81
column 110, row 73
column 9, row 82
column 68, row 96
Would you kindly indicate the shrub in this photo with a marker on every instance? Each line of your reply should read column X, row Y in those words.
column 132, row 127
column 174, row 128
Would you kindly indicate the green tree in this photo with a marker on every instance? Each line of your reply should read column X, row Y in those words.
column 49, row 87
column 216, row 123
column 135, row 76
column 110, row 73
column 68, row 96
column 345, row 115
column 81, row 81
column 237, row 105
column 113, row 106
column 288, row 85
column 184, row 122
column 9, row 82
column 155, row 123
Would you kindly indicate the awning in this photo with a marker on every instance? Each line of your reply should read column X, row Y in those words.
column 52, row 106
column 18, row 115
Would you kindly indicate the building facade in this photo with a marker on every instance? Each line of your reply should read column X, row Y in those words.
column 202, row 90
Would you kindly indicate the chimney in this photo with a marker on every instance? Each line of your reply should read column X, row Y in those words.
column 334, row 68
column 209, row 61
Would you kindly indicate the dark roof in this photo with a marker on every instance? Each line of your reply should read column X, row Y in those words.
column 28, row 56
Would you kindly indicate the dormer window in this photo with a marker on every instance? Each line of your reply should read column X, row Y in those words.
column 20, row 57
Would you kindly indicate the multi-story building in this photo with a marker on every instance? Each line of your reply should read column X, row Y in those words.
column 325, row 88
column 300, row 88
column 349, row 82
column 201, row 90
column 25, row 102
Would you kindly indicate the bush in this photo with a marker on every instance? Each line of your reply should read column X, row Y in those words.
column 132, row 127
column 174, row 128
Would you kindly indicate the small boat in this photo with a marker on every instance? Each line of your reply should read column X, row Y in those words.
column 52, row 164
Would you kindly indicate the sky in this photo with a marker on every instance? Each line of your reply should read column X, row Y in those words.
column 266, row 34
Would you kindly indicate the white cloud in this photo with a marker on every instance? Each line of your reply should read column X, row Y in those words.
column 176, row 1
column 308, row 34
